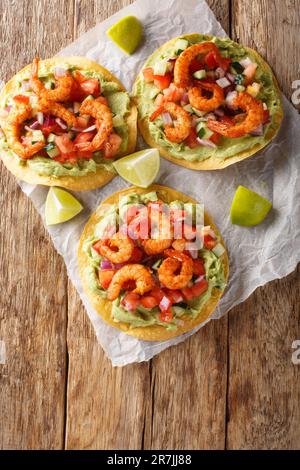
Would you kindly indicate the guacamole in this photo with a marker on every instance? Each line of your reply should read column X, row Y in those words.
column 146, row 95
column 141, row 316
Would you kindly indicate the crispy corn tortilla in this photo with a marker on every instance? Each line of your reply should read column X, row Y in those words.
column 212, row 163
column 77, row 183
column 104, row 306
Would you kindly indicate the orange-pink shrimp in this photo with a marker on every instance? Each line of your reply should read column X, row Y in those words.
column 138, row 273
column 58, row 110
column 61, row 92
column 117, row 249
column 182, row 124
column 101, row 112
column 12, row 127
column 182, row 64
column 200, row 102
column 254, row 117
column 176, row 270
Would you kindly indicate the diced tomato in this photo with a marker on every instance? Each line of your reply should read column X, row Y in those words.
column 249, row 73
column 84, row 154
column 155, row 206
column 175, row 296
column 97, row 246
column 196, row 65
column 156, row 113
column 166, row 316
column 187, row 293
column 83, row 137
column 162, row 81
column 227, row 120
column 199, row 288
column 160, row 100
column 149, row 301
column 64, row 143
column 91, row 87
column 131, row 301
column 173, row 93
column 224, row 63
column 79, row 77
column 70, row 157
column 191, row 141
column 148, row 74
column 112, row 145
column 137, row 255
column 105, row 277
column 198, row 267
column 129, row 285
column 131, row 213
column 215, row 138
column 83, row 121
column 77, row 93
column 55, row 129
column 157, row 293
column 21, row 99
column 210, row 60
column 266, row 116
column 209, row 242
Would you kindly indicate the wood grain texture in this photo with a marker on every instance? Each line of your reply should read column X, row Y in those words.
column 263, row 396
column 33, row 309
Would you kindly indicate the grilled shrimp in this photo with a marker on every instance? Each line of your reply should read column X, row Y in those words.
column 254, row 117
column 62, row 90
column 182, row 64
column 160, row 241
column 131, row 272
column 117, row 249
column 206, row 104
column 176, row 270
column 19, row 113
column 58, row 110
column 101, row 112
column 182, row 125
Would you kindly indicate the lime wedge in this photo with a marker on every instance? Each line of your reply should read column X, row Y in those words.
column 60, row 206
column 139, row 168
column 248, row 208
column 126, row 33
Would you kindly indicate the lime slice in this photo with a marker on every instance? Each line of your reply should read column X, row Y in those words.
column 139, row 168
column 126, row 33
column 60, row 206
column 248, row 208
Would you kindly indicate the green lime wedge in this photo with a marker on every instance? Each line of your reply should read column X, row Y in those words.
column 126, row 33
column 248, row 208
column 139, row 168
column 60, row 206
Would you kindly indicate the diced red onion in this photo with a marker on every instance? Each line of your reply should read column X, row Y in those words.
column 40, row 117
column 245, row 62
column 59, row 72
column 230, row 98
column 165, row 304
column 200, row 278
column 223, row 82
column 185, row 98
column 8, row 108
column 193, row 253
column 76, row 129
column 259, row 131
column 211, row 74
column 219, row 112
column 167, row 118
column 106, row 264
column 220, row 72
column 230, row 77
column 76, row 107
column 25, row 85
column 27, row 128
column 172, row 59
column 61, row 123
column 119, row 265
column 206, row 142
column 210, row 116
column 91, row 128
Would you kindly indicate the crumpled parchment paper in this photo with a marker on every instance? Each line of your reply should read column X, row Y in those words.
column 257, row 255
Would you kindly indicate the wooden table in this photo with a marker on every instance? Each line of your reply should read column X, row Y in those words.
column 232, row 385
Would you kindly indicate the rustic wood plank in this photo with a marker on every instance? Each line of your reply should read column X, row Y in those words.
column 188, row 383
column 32, row 311
column 264, row 385
column 106, row 406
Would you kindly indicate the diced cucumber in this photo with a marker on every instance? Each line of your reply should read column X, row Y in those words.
column 178, row 311
column 200, row 74
column 51, row 150
column 118, row 121
column 198, row 113
column 218, row 250
column 240, row 88
column 160, row 68
column 188, row 108
column 153, row 92
column 157, row 264
column 239, row 79
column 37, row 136
column 203, row 131
column 181, row 45
column 237, row 67
column 51, row 137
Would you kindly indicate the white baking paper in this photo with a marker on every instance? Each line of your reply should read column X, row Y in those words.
column 257, row 255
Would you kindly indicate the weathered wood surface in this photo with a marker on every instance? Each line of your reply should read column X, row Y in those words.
column 231, row 385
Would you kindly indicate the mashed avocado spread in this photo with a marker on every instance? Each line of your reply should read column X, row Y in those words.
column 143, row 317
column 119, row 103
column 147, row 92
